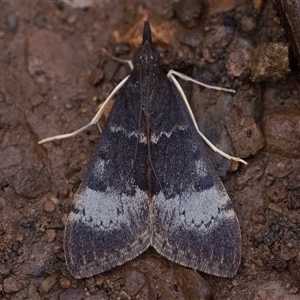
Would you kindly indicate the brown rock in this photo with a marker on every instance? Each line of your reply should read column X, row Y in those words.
column 11, row 285
column 49, row 282
column 32, row 181
column 49, row 206
column 270, row 62
column 64, row 283
column 56, row 249
column 238, row 62
column 282, row 134
column 188, row 11
column 51, row 234
column 72, row 294
column 134, row 282
column 245, row 134
column 192, row 285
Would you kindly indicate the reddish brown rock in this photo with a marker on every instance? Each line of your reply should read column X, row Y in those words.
column 11, row 285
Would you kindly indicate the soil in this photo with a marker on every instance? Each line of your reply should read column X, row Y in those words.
column 54, row 75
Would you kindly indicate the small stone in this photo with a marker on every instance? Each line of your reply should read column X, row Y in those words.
column 32, row 181
column 54, row 200
column 11, row 285
column 96, row 76
column 248, row 23
column 189, row 11
column 134, row 282
column 270, row 62
column 234, row 165
column 56, row 249
column 238, row 62
column 235, row 283
column 282, row 134
column 94, row 137
column 49, row 206
column 51, row 234
column 245, row 134
column 19, row 237
column 99, row 281
column 275, row 207
column 72, row 294
column 49, row 282
column 36, row 100
column 64, row 283
column 259, row 219
column 192, row 285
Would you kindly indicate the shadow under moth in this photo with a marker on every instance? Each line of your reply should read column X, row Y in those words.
column 150, row 183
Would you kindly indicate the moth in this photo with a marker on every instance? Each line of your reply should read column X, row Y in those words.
column 151, row 183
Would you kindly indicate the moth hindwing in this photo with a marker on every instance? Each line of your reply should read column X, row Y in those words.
column 150, row 183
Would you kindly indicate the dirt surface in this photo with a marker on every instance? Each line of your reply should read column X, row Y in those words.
column 54, row 75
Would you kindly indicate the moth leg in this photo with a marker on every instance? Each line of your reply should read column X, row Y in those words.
column 187, row 78
column 212, row 146
column 123, row 61
column 93, row 121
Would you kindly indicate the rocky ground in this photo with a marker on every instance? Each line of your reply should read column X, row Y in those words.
column 54, row 75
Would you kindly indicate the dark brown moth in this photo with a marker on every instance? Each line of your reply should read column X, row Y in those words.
column 150, row 183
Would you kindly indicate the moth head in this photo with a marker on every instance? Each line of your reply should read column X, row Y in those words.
column 147, row 55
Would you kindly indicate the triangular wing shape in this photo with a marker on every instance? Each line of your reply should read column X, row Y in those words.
column 109, row 222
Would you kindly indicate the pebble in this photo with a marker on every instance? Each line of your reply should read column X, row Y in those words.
column 282, row 134
column 270, row 62
column 56, row 249
column 72, row 294
column 32, row 181
column 134, row 282
column 64, row 283
column 235, row 283
column 36, row 100
column 49, row 282
column 49, row 206
column 275, row 207
column 248, row 23
column 51, row 235
column 238, row 62
column 245, row 134
column 68, row 106
column 192, row 285
column 188, row 11
column 11, row 285
column 96, row 76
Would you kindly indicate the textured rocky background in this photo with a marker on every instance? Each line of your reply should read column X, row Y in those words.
column 54, row 75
